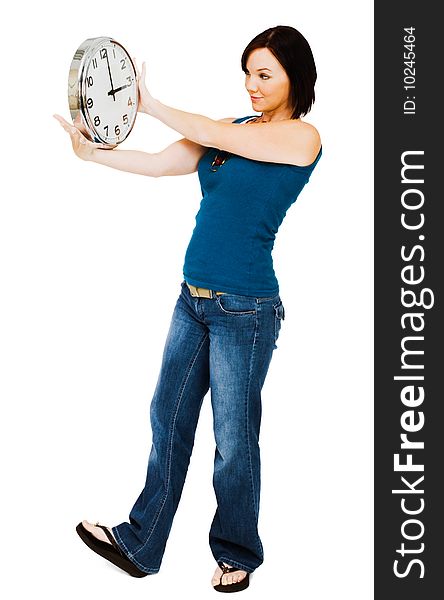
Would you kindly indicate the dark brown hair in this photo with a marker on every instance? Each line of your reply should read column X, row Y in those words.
column 293, row 52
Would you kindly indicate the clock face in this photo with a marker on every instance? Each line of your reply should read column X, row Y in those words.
column 110, row 92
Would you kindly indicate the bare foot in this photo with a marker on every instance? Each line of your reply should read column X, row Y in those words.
column 228, row 578
column 97, row 531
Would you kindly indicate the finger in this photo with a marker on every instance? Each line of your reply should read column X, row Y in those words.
column 63, row 121
column 135, row 66
column 66, row 126
column 74, row 132
column 60, row 119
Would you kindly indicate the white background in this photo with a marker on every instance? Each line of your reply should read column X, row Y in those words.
column 91, row 265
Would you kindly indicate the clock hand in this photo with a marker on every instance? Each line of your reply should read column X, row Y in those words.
column 110, row 78
column 112, row 92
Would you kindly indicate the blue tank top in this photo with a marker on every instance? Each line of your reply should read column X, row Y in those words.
column 244, row 201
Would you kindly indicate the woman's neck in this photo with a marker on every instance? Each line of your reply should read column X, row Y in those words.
column 272, row 116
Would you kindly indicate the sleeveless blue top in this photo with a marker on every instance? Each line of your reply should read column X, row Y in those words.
column 244, row 202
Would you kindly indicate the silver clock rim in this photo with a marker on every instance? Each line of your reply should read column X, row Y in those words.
column 76, row 90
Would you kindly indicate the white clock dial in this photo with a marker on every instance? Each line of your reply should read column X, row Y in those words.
column 110, row 92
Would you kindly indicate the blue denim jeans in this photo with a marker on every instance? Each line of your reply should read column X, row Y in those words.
column 225, row 344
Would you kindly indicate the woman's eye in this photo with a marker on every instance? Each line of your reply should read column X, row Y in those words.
column 262, row 75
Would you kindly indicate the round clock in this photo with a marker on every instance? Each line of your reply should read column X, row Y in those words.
column 102, row 91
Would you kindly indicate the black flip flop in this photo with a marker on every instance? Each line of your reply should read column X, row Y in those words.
column 111, row 552
column 231, row 587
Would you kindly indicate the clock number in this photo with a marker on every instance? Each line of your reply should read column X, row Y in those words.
column 122, row 60
column 94, row 62
column 89, row 80
column 130, row 102
column 89, row 103
column 96, row 121
column 117, row 130
column 125, row 119
column 103, row 53
column 129, row 79
column 106, row 127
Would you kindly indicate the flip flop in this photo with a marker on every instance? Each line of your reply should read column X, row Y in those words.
column 231, row 587
column 111, row 552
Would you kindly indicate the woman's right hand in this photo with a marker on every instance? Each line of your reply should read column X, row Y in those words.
column 82, row 147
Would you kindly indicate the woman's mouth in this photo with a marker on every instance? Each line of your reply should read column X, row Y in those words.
column 255, row 98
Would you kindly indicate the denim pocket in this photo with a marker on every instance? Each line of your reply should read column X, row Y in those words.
column 279, row 316
column 233, row 304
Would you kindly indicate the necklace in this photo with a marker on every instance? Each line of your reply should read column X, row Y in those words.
column 219, row 160
column 257, row 120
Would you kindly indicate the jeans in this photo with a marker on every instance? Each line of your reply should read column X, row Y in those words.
column 224, row 343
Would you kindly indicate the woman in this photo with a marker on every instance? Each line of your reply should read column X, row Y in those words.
column 228, row 315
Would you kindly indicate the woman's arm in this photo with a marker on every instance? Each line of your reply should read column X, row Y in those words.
column 179, row 158
column 287, row 141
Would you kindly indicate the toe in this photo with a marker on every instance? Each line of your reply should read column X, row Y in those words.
column 234, row 577
column 216, row 576
column 87, row 525
column 227, row 578
column 96, row 531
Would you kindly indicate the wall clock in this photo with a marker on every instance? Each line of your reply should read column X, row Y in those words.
column 103, row 93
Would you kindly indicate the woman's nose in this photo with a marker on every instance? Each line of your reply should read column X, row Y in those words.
column 251, row 84
column 251, row 88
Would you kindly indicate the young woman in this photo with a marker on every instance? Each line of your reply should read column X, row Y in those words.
column 228, row 314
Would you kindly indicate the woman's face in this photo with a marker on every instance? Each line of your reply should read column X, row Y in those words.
column 267, row 82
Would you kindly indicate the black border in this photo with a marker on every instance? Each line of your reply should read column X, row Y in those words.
column 395, row 133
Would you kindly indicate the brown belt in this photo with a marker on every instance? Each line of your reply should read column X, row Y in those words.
column 202, row 292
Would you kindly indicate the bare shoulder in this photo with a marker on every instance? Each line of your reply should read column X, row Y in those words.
column 285, row 141
column 307, row 131
column 309, row 140
column 311, row 129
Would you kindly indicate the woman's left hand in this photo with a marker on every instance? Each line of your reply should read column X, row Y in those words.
column 145, row 98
